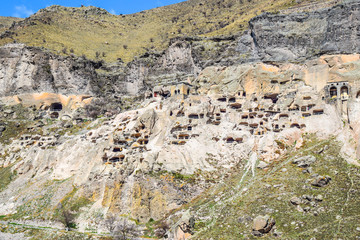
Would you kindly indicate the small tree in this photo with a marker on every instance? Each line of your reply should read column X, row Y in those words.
column 67, row 218
column 110, row 223
column 125, row 230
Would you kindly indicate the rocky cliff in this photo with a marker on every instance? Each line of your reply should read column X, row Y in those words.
column 258, row 142
column 299, row 36
column 31, row 70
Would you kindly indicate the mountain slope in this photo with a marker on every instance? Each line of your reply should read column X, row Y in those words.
column 6, row 22
column 287, row 193
column 97, row 34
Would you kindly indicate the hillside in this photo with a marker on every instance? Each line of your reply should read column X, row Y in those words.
column 6, row 22
column 285, row 192
column 100, row 35
column 226, row 134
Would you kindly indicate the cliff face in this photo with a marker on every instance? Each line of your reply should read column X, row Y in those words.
column 270, row 38
column 173, row 65
column 230, row 142
column 30, row 70
column 298, row 36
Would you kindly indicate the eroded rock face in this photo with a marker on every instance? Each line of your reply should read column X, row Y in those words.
column 30, row 70
column 299, row 36
column 240, row 115
column 233, row 117
column 175, row 64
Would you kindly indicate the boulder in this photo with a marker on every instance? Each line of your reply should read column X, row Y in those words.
column 262, row 165
column 262, row 225
column 319, row 198
column 321, row 181
column 304, row 162
column 260, row 222
column 307, row 197
column 295, row 201
column 8, row 111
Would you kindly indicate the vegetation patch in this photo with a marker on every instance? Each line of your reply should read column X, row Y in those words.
column 227, row 211
column 6, row 176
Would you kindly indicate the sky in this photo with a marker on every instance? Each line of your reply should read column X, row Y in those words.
column 24, row 8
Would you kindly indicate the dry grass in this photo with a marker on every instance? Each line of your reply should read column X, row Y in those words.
column 6, row 22
column 100, row 35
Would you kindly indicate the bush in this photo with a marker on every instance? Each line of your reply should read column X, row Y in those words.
column 67, row 218
column 120, row 229
column 161, row 230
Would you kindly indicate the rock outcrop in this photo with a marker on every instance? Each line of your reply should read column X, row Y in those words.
column 219, row 127
column 299, row 36
column 26, row 70
column 176, row 64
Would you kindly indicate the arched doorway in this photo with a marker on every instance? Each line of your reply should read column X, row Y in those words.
column 333, row 92
column 344, row 92
column 56, row 107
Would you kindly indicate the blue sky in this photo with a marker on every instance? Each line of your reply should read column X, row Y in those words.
column 24, row 8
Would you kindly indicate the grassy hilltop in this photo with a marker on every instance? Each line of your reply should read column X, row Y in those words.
column 97, row 34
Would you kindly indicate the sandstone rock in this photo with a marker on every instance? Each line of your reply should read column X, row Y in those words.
column 68, row 125
column 307, row 209
column 299, row 208
column 262, row 224
column 8, row 111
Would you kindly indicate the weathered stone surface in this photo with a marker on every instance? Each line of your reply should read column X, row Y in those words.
column 319, row 198
column 295, row 200
column 298, row 36
column 31, row 70
column 174, row 65
column 305, row 161
column 262, row 165
column 321, row 181
column 262, row 224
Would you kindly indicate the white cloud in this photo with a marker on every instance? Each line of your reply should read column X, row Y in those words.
column 112, row 11
column 22, row 11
